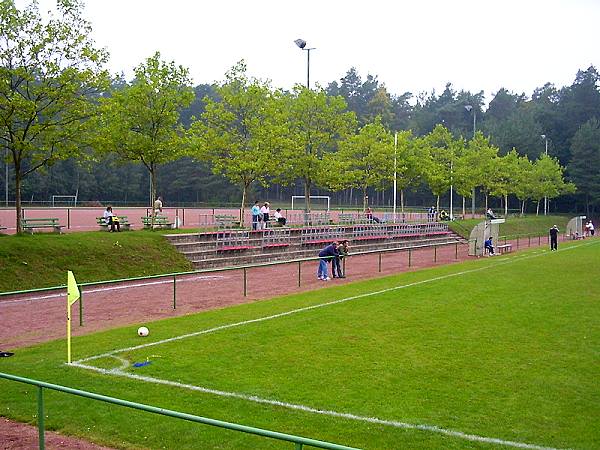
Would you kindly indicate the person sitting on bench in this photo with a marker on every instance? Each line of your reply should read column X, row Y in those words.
column 280, row 219
column 489, row 246
column 111, row 219
column 444, row 215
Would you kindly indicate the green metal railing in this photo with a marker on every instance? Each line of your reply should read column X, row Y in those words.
column 298, row 441
column 243, row 268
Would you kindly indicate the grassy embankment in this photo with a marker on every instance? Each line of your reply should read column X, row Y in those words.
column 528, row 225
column 41, row 260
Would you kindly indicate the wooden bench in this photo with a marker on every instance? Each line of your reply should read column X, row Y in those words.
column 123, row 223
column 504, row 248
column 29, row 225
column 159, row 222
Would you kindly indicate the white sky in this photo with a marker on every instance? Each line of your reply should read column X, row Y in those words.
column 412, row 45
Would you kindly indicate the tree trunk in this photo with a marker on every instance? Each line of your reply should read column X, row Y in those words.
column 18, row 197
column 486, row 201
column 307, row 183
column 464, row 210
column 505, row 205
column 365, row 198
column 473, row 204
column 402, row 200
column 244, row 189
column 437, row 204
column 152, row 193
column 537, row 208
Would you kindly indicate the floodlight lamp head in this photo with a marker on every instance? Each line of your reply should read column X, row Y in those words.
column 468, row 107
column 300, row 43
column 543, row 136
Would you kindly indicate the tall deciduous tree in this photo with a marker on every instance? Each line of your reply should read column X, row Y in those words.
column 316, row 122
column 140, row 121
column 364, row 160
column 49, row 72
column 241, row 134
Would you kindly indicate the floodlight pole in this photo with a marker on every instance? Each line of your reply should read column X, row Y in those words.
column 543, row 136
column 395, row 172
column 6, row 177
column 469, row 108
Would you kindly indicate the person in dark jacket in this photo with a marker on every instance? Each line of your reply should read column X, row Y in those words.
column 489, row 246
column 329, row 252
column 554, row 238
column 341, row 252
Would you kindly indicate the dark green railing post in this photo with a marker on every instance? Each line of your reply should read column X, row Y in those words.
column 298, row 446
column 539, row 240
column 344, row 266
column 379, row 254
column 299, row 272
column 517, row 241
column 40, row 400
column 409, row 257
column 245, row 282
column 529, row 241
column 435, row 253
column 174, row 291
column 80, row 306
column 456, row 250
column 68, row 218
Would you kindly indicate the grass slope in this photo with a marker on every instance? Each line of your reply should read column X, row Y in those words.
column 506, row 347
column 531, row 225
column 42, row 260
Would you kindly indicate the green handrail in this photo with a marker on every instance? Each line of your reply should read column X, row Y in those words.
column 297, row 440
column 217, row 269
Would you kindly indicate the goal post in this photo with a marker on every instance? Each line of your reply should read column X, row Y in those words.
column 64, row 200
column 318, row 197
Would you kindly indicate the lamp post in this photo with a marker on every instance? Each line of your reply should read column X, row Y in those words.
column 545, row 138
column 301, row 43
column 395, row 172
column 469, row 108
column 6, row 177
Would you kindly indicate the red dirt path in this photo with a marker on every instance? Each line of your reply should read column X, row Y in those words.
column 32, row 319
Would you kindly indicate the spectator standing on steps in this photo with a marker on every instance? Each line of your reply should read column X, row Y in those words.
column 326, row 254
column 265, row 211
column 255, row 212
column 554, row 238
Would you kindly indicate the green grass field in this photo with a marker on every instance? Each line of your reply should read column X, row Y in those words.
column 503, row 348
column 527, row 225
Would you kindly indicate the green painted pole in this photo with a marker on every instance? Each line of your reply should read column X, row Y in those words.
column 344, row 266
column 409, row 257
column 539, row 240
column 298, row 446
column 379, row 262
column 456, row 251
column 245, row 283
column 174, row 291
column 80, row 306
column 41, row 434
column 517, row 241
column 529, row 241
column 68, row 218
column 435, row 253
column 299, row 272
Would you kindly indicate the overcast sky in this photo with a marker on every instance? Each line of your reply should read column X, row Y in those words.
column 412, row 46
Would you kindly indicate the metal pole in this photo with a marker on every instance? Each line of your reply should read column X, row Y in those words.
column 308, row 68
column 174, row 292
column 451, row 187
column 245, row 282
column 379, row 254
column 80, row 306
column 299, row 272
column 409, row 257
column 41, row 437
column 435, row 253
column 395, row 172
column 6, row 177
column 456, row 251
column 68, row 218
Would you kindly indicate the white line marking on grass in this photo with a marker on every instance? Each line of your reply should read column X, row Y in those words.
column 115, row 288
column 253, row 398
column 393, row 423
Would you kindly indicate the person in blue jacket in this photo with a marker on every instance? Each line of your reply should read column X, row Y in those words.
column 255, row 211
column 489, row 246
column 327, row 254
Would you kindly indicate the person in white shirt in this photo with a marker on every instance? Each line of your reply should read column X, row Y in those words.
column 109, row 218
column 280, row 219
column 590, row 228
column 264, row 210
column 158, row 206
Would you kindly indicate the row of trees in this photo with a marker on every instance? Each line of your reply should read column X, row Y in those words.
column 57, row 102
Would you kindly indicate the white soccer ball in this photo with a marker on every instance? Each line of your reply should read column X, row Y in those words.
column 143, row 331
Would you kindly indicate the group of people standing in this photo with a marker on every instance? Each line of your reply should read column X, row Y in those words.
column 262, row 214
column 333, row 253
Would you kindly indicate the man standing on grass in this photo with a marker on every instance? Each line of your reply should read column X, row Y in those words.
column 326, row 254
column 554, row 238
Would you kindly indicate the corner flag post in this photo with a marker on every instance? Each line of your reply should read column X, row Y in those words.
column 72, row 296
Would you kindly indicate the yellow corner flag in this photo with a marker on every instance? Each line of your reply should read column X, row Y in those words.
column 72, row 296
